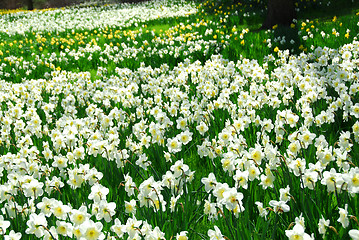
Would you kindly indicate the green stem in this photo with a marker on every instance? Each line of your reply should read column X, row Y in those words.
column 275, row 226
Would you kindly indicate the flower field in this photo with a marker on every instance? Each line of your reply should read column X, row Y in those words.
column 177, row 120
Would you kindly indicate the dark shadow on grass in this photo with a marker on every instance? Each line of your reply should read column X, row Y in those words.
column 292, row 40
column 336, row 8
column 312, row 11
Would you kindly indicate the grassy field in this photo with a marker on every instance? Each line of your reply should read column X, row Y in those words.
column 179, row 120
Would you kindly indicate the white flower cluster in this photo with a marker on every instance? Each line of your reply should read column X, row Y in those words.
column 248, row 123
column 29, row 116
column 84, row 18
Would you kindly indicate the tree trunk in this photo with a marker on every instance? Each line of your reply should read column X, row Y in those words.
column 2, row 4
column 30, row 5
column 281, row 12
